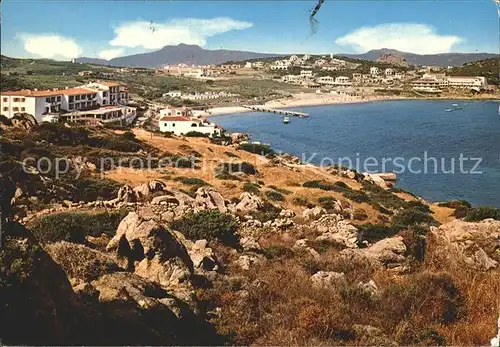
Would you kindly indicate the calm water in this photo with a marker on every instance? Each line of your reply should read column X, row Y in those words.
column 391, row 129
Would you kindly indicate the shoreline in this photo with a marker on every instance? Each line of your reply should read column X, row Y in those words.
column 307, row 100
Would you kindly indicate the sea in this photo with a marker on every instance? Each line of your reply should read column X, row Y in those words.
column 437, row 153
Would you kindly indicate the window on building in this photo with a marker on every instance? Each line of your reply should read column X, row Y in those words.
column 58, row 98
column 16, row 99
column 173, row 124
column 104, row 94
column 71, row 106
column 77, row 97
column 23, row 109
column 46, row 110
column 5, row 108
column 194, row 125
column 47, row 99
column 71, row 98
column 5, row 99
column 15, row 109
column 23, row 99
column 52, row 99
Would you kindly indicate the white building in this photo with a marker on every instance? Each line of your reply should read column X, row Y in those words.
column 343, row 81
column 108, row 93
column 389, row 71
column 306, row 57
column 374, row 71
column 281, row 65
column 399, row 75
column 183, row 125
column 320, row 62
column 175, row 112
column 292, row 79
column 173, row 94
column 325, row 80
column 306, row 73
column 467, row 82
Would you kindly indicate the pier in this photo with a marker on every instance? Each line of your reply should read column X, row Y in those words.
column 278, row 111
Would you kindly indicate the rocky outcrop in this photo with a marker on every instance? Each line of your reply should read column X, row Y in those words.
column 248, row 203
column 146, row 189
column 328, row 279
column 209, row 198
column 383, row 180
column 238, row 137
column 314, row 213
column 334, row 228
column 474, row 245
column 151, row 251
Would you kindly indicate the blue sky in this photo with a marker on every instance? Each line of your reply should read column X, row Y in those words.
column 66, row 29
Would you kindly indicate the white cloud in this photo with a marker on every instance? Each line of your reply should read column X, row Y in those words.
column 188, row 31
column 109, row 54
column 406, row 37
column 50, row 45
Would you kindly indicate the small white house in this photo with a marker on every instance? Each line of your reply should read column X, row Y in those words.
column 374, row 71
column 173, row 94
column 184, row 125
column 306, row 73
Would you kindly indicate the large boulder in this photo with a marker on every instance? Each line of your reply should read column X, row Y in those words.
column 209, row 198
column 390, row 251
column 314, row 213
column 475, row 245
column 335, row 229
column 328, row 279
column 146, row 189
column 126, row 194
column 152, row 251
column 249, row 203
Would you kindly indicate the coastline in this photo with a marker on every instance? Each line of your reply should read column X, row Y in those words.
column 311, row 99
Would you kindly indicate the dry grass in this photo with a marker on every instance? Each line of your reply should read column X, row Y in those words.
column 80, row 262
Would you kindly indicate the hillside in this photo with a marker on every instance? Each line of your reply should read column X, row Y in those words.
column 242, row 248
column 488, row 68
column 187, row 54
column 443, row 60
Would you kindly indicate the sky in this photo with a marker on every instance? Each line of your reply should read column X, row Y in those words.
column 107, row 29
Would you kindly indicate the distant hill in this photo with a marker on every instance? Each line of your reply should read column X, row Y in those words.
column 187, row 54
column 488, row 68
column 443, row 59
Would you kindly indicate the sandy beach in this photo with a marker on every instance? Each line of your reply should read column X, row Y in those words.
column 301, row 100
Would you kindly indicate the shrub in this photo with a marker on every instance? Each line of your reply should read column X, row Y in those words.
column 74, row 226
column 301, row 201
column 251, row 188
column 266, row 213
column 244, row 167
column 410, row 217
column 231, row 154
column 375, row 232
column 275, row 196
column 90, row 189
column 191, row 181
column 210, row 225
column 477, row 214
column 226, row 176
column 357, row 196
column 455, row 204
column 273, row 252
column 360, row 214
column 196, row 134
column 327, row 202
column 280, row 190
column 260, row 149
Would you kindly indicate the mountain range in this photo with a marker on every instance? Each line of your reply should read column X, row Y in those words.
column 193, row 54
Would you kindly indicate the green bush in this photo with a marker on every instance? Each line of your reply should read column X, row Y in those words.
column 266, row 213
column 327, row 202
column 455, row 204
column 244, row 167
column 231, row 154
column 260, row 149
column 196, row 134
column 275, row 196
column 477, row 214
column 251, row 188
column 357, row 196
column 226, row 176
column 280, row 190
column 301, row 201
column 210, row 225
column 191, row 181
column 375, row 232
column 90, row 189
column 274, row 252
column 74, row 226
column 410, row 217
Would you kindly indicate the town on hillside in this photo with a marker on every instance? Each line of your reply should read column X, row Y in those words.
column 179, row 98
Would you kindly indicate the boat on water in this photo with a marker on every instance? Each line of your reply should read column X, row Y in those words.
column 448, row 110
column 286, row 120
column 454, row 105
